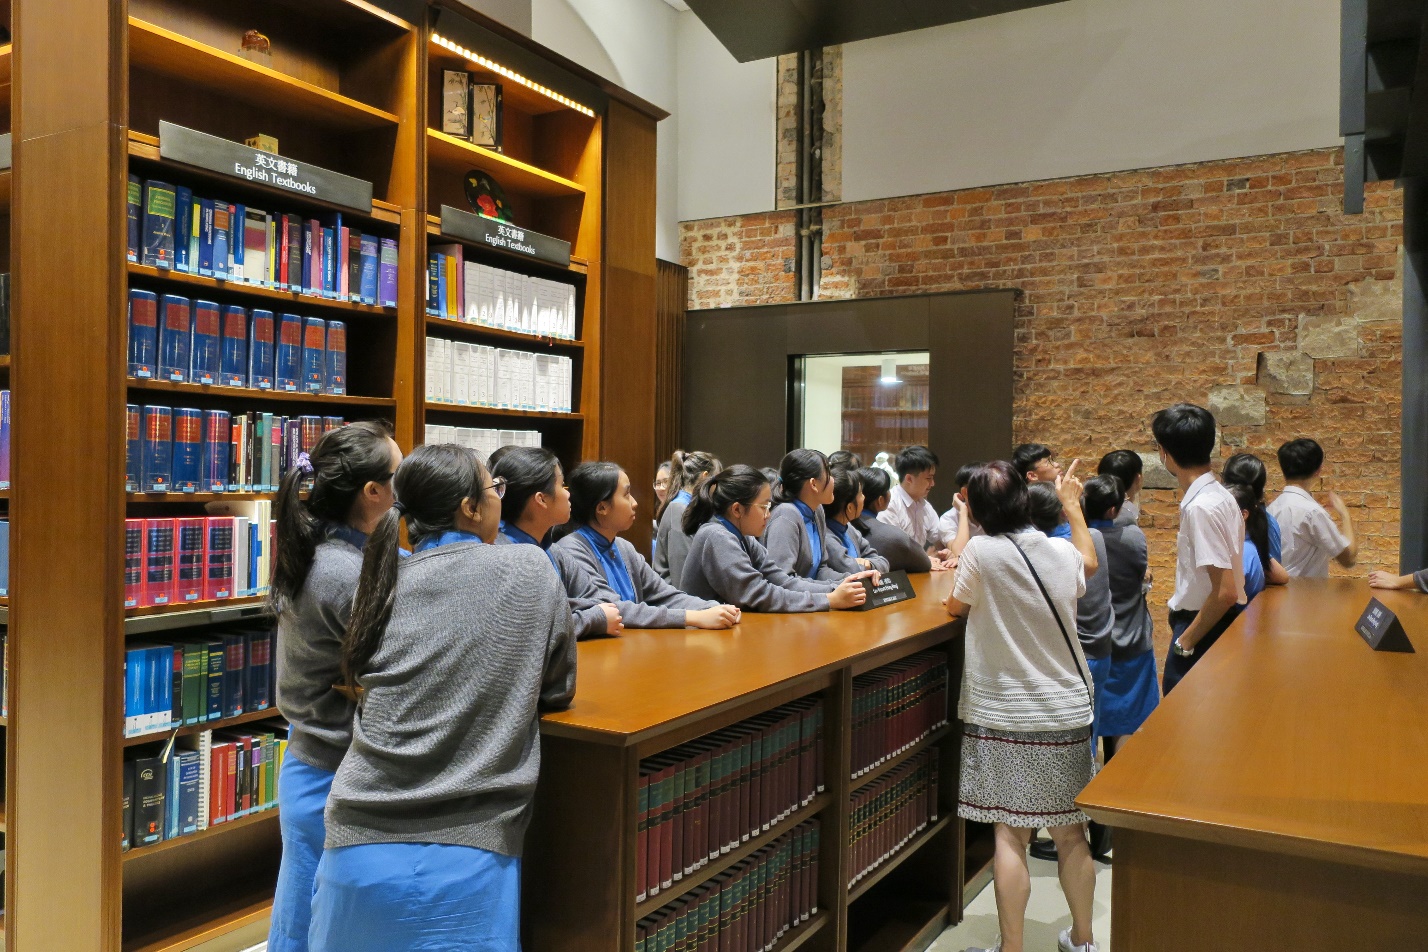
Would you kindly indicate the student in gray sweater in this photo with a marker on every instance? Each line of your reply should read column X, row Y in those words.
column 671, row 545
column 536, row 500
column 890, row 542
column 319, row 559
column 849, row 552
column 727, row 562
column 602, row 506
column 797, row 526
column 456, row 651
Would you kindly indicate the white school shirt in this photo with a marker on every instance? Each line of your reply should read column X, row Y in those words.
column 947, row 527
column 1309, row 537
column 1212, row 533
column 917, row 519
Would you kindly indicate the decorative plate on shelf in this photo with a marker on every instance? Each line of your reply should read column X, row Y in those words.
column 487, row 197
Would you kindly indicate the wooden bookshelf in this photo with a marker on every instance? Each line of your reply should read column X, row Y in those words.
column 252, row 819
column 348, row 88
column 186, row 730
column 504, row 414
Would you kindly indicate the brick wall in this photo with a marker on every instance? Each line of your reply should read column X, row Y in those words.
column 1238, row 284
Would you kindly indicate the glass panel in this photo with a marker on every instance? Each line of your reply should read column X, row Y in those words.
column 865, row 403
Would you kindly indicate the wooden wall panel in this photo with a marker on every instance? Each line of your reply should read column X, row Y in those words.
column 627, row 403
column 67, row 503
column 671, row 306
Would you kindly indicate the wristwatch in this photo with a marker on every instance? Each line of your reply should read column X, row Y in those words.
column 1181, row 650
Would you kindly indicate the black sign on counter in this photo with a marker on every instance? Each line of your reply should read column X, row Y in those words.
column 247, row 164
column 1380, row 627
column 503, row 236
column 893, row 587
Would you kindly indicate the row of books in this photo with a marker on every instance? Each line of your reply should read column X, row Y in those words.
column 200, row 558
column 227, row 346
column 704, row 798
column 201, row 781
column 462, row 290
column 896, row 706
column 4, row 439
column 748, row 908
column 476, row 375
column 481, row 441
column 890, row 811
column 4, row 558
column 171, row 228
column 170, row 450
column 208, row 677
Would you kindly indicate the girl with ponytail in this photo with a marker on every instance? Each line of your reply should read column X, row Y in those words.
column 798, row 529
column 687, row 473
column 454, row 651
column 849, row 550
column 727, row 562
column 602, row 505
column 320, row 541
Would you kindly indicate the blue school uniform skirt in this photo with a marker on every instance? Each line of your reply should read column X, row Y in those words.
column 302, row 797
column 416, row 897
column 1132, row 692
column 1100, row 669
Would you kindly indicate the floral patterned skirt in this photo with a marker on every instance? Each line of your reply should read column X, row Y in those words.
column 1024, row 779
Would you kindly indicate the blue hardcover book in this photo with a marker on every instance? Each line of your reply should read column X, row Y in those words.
column 183, row 224
column 160, row 687
column 175, row 338
column 206, row 235
column 236, row 240
column 434, row 271
column 133, row 447
column 255, row 554
column 217, row 447
column 222, row 226
column 235, row 674
column 143, row 334
column 288, row 374
column 368, row 272
column 133, row 689
column 207, row 335
column 189, row 772
column 158, row 237
column 314, row 354
column 329, row 263
column 171, row 821
column 156, row 468
column 336, row 359
column 233, row 363
column 188, row 451
column 261, row 349
column 134, row 205
column 441, row 290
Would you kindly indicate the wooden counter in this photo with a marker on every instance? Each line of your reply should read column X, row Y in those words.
column 1279, row 800
column 649, row 691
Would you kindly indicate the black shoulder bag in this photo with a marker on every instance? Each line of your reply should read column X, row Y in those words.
column 1090, row 694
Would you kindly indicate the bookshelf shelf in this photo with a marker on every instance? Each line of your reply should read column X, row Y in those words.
column 139, row 621
column 444, row 326
column 906, row 924
column 7, row 51
column 199, row 497
column 163, row 846
column 505, row 414
column 6, row 184
column 881, row 872
column 292, row 300
column 171, row 54
column 873, row 773
column 146, row 147
column 264, row 396
column 205, row 926
column 517, row 176
column 223, row 724
column 733, row 857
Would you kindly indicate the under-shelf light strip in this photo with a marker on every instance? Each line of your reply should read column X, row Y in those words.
column 513, row 76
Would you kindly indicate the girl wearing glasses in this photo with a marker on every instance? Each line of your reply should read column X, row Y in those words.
column 456, row 651
column 534, row 500
column 319, row 559
column 797, row 533
column 726, row 560
column 603, row 506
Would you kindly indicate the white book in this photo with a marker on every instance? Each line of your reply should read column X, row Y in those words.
column 570, row 313
column 510, row 438
column 504, row 365
column 433, row 349
column 542, row 382
column 471, row 287
column 461, row 373
column 447, row 353
column 242, row 577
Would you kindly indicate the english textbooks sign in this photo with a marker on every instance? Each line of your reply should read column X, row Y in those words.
column 503, row 236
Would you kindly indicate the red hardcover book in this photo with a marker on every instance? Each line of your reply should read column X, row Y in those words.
column 218, row 559
column 158, row 561
column 215, row 785
column 656, row 831
column 314, row 271
column 284, row 251
column 696, row 853
column 188, row 581
column 342, row 244
column 230, row 790
column 133, row 562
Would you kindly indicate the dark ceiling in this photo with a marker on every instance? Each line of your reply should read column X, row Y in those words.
column 757, row 29
column 1383, row 113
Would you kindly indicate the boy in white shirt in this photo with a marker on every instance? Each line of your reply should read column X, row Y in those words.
column 1036, row 463
column 908, row 509
column 1310, row 538
column 1209, row 567
column 952, row 529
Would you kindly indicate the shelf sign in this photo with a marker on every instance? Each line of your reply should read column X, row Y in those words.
column 892, row 587
column 503, row 236
column 248, row 164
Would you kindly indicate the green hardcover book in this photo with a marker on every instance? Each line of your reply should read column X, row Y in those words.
column 195, row 682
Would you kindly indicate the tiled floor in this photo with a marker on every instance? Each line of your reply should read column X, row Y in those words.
column 1046, row 915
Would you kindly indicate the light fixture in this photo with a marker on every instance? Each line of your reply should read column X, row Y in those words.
column 890, row 370
column 513, row 76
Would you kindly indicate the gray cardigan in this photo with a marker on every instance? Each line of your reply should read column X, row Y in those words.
column 786, row 539
column 446, row 746
column 896, row 546
column 737, row 571
column 657, row 604
column 585, row 612
column 311, row 633
column 671, row 544
column 1128, row 556
column 1095, row 617
column 838, row 556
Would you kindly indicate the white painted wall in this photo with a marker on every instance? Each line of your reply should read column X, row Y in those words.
column 1087, row 86
column 823, row 395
